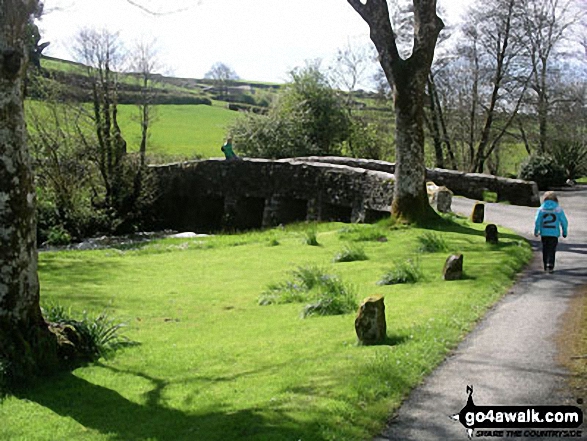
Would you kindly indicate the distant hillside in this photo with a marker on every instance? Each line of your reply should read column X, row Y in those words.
column 170, row 90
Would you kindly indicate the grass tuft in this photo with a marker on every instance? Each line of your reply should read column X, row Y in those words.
column 350, row 253
column 327, row 294
column 303, row 280
column 409, row 271
column 311, row 237
column 100, row 335
column 431, row 243
column 334, row 298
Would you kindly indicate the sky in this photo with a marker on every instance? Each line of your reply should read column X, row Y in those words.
column 262, row 40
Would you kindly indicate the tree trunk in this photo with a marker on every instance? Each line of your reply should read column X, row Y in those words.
column 26, row 344
column 410, row 200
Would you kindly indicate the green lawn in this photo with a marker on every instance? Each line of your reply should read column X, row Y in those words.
column 212, row 364
column 180, row 130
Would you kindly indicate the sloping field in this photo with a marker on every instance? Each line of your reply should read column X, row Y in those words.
column 180, row 130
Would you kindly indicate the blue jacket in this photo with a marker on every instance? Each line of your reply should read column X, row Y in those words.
column 550, row 218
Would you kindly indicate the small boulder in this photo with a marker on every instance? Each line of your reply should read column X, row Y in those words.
column 443, row 199
column 491, row 234
column 370, row 323
column 453, row 267
column 478, row 213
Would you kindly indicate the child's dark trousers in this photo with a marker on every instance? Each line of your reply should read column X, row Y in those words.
column 549, row 251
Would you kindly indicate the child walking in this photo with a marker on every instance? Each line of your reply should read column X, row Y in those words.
column 550, row 219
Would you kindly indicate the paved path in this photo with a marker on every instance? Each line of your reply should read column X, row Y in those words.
column 510, row 358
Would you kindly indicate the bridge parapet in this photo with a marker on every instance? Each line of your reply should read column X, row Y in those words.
column 253, row 193
column 471, row 185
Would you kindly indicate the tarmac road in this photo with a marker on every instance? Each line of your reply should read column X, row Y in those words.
column 510, row 358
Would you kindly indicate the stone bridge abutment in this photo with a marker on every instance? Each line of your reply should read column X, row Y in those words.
column 255, row 193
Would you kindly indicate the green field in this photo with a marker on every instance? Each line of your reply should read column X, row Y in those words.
column 180, row 130
column 212, row 364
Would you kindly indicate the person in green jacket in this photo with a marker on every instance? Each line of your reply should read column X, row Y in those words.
column 228, row 151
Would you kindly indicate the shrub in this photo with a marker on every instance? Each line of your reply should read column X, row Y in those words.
column 57, row 235
column 543, row 170
column 350, row 253
column 403, row 272
column 431, row 243
column 307, row 119
column 99, row 335
column 571, row 156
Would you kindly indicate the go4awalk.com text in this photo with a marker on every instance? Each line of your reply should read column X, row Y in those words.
column 561, row 422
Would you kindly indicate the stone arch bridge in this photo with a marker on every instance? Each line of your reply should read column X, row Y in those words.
column 254, row 193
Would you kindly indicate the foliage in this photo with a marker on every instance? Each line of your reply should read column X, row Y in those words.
column 311, row 237
column 304, row 279
column 571, row 156
column 489, row 196
column 100, row 335
column 350, row 253
column 328, row 294
column 271, row 136
column 4, row 368
column 544, row 170
column 72, row 178
column 57, row 235
column 308, row 118
column 368, row 140
column 334, row 298
column 431, row 243
column 408, row 271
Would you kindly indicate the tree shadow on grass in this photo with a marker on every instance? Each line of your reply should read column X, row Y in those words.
column 106, row 411
column 450, row 226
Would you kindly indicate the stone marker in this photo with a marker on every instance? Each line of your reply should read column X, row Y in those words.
column 370, row 323
column 478, row 213
column 491, row 234
column 443, row 199
column 453, row 267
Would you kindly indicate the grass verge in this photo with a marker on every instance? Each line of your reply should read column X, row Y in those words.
column 213, row 364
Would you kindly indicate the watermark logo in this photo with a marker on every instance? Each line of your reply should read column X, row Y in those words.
column 512, row 420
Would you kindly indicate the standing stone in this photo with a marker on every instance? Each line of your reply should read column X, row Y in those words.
column 478, row 213
column 491, row 234
column 453, row 267
column 370, row 323
column 443, row 198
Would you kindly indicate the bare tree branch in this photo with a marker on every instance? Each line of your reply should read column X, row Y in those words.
column 151, row 11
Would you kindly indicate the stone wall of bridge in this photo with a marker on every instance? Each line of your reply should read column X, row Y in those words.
column 254, row 193
column 471, row 185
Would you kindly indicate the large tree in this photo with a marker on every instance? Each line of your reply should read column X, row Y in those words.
column 409, row 77
column 547, row 24
column 26, row 344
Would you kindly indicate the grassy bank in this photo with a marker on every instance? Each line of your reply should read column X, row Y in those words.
column 213, row 364
column 180, row 130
